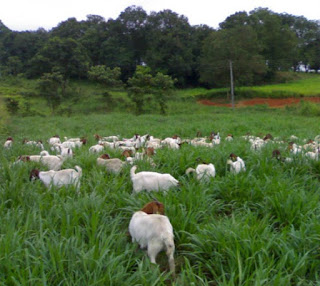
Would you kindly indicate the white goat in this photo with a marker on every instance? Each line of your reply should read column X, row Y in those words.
column 60, row 178
column 51, row 161
column 107, row 144
column 8, row 143
column 236, row 164
column 145, row 156
column 96, row 148
column 201, row 143
column 229, row 137
column 71, row 144
column 295, row 149
column 151, row 181
column 54, row 139
column 154, row 143
column 313, row 155
column 216, row 139
column 34, row 143
column 203, row 171
column 44, row 153
column 112, row 165
column 153, row 232
column 64, row 151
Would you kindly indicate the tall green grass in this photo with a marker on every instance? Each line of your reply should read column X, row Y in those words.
column 261, row 227
column 302, row 86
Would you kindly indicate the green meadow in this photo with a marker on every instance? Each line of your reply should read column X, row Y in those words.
column 260, row 227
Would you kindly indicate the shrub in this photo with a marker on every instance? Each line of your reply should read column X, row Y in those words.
column 4, row 116
column 305, row 108
column 12, row 105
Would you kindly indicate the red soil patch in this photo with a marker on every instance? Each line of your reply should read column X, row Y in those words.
column 272, row 102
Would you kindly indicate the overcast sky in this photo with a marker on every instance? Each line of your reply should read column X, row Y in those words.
column 21, row 15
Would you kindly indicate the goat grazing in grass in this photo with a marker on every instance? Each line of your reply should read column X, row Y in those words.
column 229, row 137
column 236, row 164
column 96, row 148
column 8, row 143
column 203, row 171
column 33, row 143
column 153, row 232
column 151, row 181
column 60, row 178
column 112, row 165
column 54, row 139
column 50, row 161
column 277, row 155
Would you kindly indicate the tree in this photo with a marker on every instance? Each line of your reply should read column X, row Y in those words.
column 70, row 28
column 143, row 84
column 236, row 20
column 162, row 90
column 170, row 45
column 134, row 21
column 64, row 55
column 238, row 45
column 199, row 35
column 306, row 32
column 94, row 34
column 52, row 86
column 115, row 50
column 14, row 66
column 106, row 76
column 278, row 41
column 139, row 86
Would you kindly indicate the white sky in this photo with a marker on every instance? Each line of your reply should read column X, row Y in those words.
column 21, row 15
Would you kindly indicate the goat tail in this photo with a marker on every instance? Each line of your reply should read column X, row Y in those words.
column 169, row 243
column 190, row 170
column 133, row 171
column 79, row 170
column 60, row 157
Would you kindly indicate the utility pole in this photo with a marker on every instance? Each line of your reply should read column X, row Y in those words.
column 231, row 84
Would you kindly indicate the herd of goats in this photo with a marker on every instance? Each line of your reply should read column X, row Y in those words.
column 149, row 227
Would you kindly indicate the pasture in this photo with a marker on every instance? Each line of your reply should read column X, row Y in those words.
column 261, row 227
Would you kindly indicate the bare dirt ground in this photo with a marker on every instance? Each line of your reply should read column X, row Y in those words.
column 272, row 102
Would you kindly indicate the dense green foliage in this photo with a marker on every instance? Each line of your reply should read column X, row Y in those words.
column 258, row 43
column 261, row 227
column 143, row 85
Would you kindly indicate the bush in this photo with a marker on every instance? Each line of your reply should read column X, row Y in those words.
column 12, row 105
column 305, row 108
column 4, row 116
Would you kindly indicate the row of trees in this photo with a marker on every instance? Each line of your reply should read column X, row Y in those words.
column 258, row 43
column 143, row 86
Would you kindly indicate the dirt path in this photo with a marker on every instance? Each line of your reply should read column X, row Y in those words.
column 272, row 102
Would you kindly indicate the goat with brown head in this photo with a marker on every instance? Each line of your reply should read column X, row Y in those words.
column 268, row 137
column 105, row 156
column 150, row 151
column 153, row 207
column 34, row 174
column 127, row 153
column 233, row 157
column 276, row 154
column 97, row 136
column 24, row 158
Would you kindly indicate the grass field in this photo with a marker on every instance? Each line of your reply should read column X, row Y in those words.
column 85, row 97
column 300, row 85
column 261, row 227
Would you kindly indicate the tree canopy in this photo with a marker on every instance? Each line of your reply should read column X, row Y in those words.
column 258, row 43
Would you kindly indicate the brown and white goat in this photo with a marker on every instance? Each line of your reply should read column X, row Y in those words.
column 153, row 232
column 8, row 143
